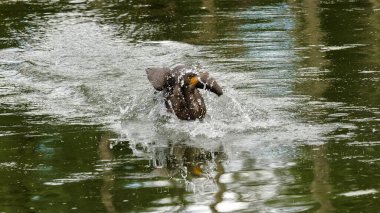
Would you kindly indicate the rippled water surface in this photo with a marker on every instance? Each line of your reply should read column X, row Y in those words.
column 297, row 129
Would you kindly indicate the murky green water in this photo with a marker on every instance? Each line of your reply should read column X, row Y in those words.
column 297, row 129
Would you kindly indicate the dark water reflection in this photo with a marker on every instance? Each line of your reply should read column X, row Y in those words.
column 296, row 131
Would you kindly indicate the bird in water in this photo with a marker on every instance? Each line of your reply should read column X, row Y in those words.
column 180, row 86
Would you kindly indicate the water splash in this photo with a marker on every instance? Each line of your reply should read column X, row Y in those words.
column 225, row 116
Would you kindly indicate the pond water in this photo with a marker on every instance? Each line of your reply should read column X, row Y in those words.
column 297, row 129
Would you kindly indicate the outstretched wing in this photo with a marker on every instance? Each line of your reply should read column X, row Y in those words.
column 158, row 77
column 207, row 82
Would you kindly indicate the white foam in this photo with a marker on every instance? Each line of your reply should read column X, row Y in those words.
column 359, row 193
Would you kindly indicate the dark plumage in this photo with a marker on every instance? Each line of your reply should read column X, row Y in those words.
column 180, row 89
